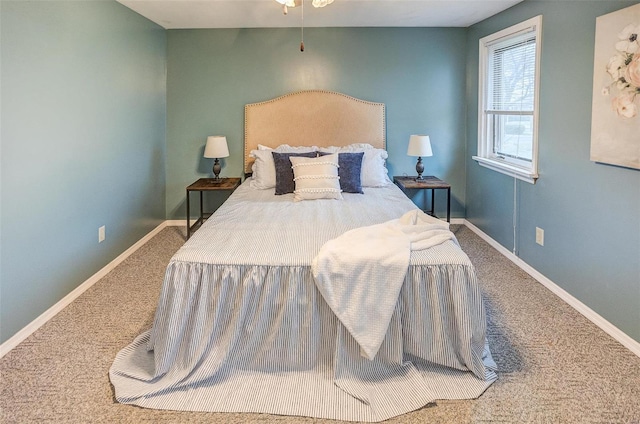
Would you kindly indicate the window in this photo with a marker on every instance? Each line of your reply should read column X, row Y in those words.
column 508, row 100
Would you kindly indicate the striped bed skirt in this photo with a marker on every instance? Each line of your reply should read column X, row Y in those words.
column 261, row 339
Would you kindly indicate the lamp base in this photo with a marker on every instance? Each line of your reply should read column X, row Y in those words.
column 419, row 169
column 216, row 169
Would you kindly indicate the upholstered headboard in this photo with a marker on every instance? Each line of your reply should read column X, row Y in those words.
column 312, row 118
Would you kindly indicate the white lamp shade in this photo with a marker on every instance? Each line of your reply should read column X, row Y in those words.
column 216, row 147
column 419, row 145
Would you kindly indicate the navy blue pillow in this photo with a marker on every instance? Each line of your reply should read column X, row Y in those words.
column 284, row 172
column 349, row 171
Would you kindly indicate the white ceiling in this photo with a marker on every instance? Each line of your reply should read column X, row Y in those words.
column 175, row 14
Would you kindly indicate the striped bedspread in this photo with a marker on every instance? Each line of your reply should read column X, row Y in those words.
column 241, row 327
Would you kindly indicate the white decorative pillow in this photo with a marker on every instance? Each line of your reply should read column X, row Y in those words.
column 316, row 178
column 374, row 170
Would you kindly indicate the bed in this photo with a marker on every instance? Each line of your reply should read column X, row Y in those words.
column 242, row 327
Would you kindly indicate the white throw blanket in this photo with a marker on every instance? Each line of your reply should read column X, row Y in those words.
column 360, row 273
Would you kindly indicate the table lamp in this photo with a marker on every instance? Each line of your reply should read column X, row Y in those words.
column 216, row 148
column 419, row 145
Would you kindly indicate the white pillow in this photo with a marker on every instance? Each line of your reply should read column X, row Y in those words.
column 355, row 147
column 374, row 170
column 316, row 178
column 285, row 148
column 263, row 169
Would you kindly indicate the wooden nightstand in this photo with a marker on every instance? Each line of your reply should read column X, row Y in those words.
column 202, row 185
column 427, row 183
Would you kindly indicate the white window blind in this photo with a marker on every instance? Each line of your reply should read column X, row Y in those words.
column 511, row 101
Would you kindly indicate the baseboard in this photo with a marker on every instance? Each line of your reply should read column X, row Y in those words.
column 588, row 313
column 178, row 222
column 60, row 305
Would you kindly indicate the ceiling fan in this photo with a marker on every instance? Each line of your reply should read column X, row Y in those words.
column 293, row 3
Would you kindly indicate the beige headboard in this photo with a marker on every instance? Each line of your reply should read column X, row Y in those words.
column 312, row 118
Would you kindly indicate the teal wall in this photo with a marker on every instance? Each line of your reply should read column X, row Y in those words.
column 419, row 73
column 590, row 212
column 83, row 145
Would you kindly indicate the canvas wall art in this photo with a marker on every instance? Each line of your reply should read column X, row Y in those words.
column 615, row 122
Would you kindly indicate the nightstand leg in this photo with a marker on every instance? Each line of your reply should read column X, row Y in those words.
column 188, row 218
column 433, row 202
column 201, row 209
column 449, row 204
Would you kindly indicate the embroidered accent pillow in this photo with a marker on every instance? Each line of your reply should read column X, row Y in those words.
column 284, row 173
column 316, row 178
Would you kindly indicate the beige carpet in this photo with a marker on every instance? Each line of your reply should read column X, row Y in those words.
column 554, row 365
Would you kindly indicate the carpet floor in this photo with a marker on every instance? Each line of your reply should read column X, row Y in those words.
column 554, row 365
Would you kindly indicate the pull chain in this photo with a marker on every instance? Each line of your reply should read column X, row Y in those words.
column 302, row 30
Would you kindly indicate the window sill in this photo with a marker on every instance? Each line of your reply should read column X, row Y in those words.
column 507, row 169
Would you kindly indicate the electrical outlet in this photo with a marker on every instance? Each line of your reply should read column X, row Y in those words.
column 101, row 234
column 540, row 236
